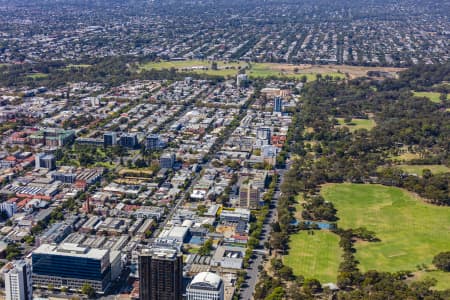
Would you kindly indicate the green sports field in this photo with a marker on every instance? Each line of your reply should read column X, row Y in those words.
column 357, row 124
column 314, row 256
column 197, row 66
column 263, row 70
column 227, row 69
column 411, row 231
column 433, row 96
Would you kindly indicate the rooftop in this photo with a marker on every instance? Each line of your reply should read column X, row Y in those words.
column 69, row 249
column 208, row 278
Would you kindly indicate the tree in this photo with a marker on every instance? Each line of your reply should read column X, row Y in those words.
column 312, row 286
column 88, row 290
column 206, row 248
column 12, row 251
column 29, row 239
column 277, row 294
column 286, row 273
column 442, row 261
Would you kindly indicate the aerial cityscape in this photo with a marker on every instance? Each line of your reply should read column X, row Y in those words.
column 224, row 150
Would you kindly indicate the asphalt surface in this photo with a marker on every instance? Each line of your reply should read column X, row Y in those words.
column 246, row 292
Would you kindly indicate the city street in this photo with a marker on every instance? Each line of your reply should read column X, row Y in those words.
column 246, row 292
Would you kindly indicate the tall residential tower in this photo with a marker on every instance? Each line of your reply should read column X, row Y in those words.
column 18, row 282
column 160, row 274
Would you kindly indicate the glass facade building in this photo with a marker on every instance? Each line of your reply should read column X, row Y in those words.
column 71, row 266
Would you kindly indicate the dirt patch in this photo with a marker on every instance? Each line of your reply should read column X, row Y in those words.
column 352, row 71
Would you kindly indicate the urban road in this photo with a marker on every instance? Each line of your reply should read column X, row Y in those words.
column 246, row 292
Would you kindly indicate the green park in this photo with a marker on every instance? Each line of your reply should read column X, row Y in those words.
column 314, row 254
column 411, row 232
column 433, row 96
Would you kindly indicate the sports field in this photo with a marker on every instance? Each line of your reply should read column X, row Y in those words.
column 356, row 124
column 433, row 96
column 411, row 231
column 256, row 70
column 314, row 256
column 263, row 70
column 197, row 66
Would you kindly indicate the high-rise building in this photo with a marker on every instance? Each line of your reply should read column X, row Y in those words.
column 278, row 104
column 71, row 266
column 263, row 133
column 205, row 286
column 45, row 161
column 249, row 197
column 152, row 142
column 129, row 140
column 160, row 274
column 18, row 282
column 241, row 80
column 167, row 160
column 109, row 139
column 10, row 208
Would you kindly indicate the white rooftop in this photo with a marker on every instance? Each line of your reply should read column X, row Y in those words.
column 208, row 278
column 70, row 249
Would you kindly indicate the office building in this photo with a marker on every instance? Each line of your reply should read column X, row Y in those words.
column 263, row 133
column 52, row 137
column 9, row 208
column 109, row 139
column 160, row 274
column 241, row 80
column 129, row 140
column 45, row 161
column 152, row 142
column 249, row 197
column 18, row 281
column 167, row 160
column 278, row 104
column 64, row 177
column 71, row 266
column 205, row 286
column 37, row 160
column 89, row 142
column 269, row 154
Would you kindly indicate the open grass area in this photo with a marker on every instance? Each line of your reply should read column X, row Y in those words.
column 417, row 169
column 356, row 124
column 197, row 66
column 443, row 282
column 77, row 66
column 299, row 206
column 433, row 96
column 37, row 75
column 407, row 156
column 314, row 256
column 411, row 231
column 262, row 70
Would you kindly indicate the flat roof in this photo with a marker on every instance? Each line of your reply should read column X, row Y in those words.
column 70, row 249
